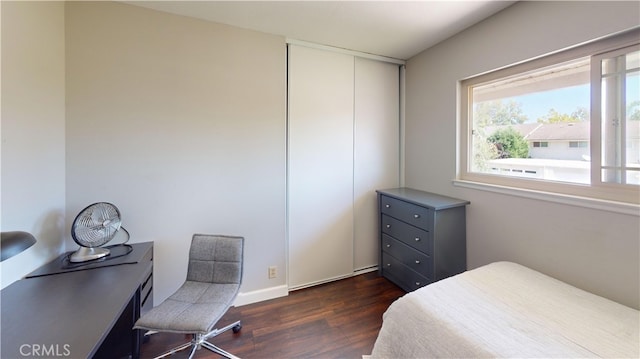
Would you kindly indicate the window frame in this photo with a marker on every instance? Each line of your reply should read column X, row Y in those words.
column 578, row 144
column 596, row 107
column 598, row 191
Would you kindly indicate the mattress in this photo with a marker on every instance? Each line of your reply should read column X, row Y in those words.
column 506, row 310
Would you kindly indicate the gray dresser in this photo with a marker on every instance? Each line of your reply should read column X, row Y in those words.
column 422, row 237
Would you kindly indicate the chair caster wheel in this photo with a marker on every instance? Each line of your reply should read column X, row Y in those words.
column 236, row 329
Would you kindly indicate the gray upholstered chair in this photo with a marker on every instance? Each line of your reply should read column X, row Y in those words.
column 214, row 276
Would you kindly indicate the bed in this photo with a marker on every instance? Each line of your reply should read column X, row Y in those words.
column 506, row 310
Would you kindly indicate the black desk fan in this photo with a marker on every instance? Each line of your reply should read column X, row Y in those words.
column 94, row 226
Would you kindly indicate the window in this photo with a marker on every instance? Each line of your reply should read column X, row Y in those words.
column 567, row 123
column 578, row 144
column 617, row 99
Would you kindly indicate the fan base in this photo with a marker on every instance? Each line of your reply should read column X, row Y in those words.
column 84, row 254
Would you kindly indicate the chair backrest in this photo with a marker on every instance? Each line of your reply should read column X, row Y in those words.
column 216, row 259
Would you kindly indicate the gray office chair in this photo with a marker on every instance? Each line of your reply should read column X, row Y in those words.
column 214, row 276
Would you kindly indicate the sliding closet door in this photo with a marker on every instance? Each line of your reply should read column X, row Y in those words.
column 376, row 151
column 320, row 165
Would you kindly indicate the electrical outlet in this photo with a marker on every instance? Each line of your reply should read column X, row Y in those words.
column 273, row 272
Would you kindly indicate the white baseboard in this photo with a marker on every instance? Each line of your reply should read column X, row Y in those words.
column 283, row 290
column 260, row 295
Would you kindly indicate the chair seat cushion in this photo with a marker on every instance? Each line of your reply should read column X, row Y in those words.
column 194, row 308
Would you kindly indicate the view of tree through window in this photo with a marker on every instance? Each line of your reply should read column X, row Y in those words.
column 537, row 124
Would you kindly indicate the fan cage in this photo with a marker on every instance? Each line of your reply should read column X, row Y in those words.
column 96, row 225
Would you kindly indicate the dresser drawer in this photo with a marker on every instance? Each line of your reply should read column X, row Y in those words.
column 409, row 256
column 397, row 272
column 413, row 236
column 408, row 212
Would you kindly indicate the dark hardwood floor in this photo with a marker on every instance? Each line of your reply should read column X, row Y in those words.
column 335, row 320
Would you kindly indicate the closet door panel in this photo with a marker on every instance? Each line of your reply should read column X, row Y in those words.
column 376, row 151
column 320, row 179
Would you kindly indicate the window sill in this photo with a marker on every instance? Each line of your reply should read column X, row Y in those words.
column 603, row 205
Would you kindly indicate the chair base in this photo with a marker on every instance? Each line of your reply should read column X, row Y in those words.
column 200, row 341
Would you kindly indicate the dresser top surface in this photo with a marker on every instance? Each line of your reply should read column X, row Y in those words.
column 422, row 198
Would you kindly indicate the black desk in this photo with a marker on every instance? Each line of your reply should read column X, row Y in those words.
column 79, row 314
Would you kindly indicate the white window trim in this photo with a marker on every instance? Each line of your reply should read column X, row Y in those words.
column 578, row 201
column 616, row 198
column 596, row 107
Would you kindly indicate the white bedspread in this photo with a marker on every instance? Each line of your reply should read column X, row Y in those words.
column 505, row 310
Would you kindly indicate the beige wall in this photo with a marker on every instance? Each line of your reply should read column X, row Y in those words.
column 181, row 124
column 33, row 122
column 593, row 249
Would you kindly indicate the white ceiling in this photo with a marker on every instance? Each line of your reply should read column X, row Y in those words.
column 397, row 29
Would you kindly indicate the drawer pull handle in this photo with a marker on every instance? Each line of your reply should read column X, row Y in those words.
column 388, row 246
column 388, row 264
column 416, row 216
column 388, row 226
column 417, row 283
column 387, row 205
column 417, row 261
column 417, row 239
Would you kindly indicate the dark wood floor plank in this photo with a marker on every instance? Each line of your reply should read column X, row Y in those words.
column 334, row 320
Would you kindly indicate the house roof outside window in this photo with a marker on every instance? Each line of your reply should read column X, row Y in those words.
column 566, row 131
